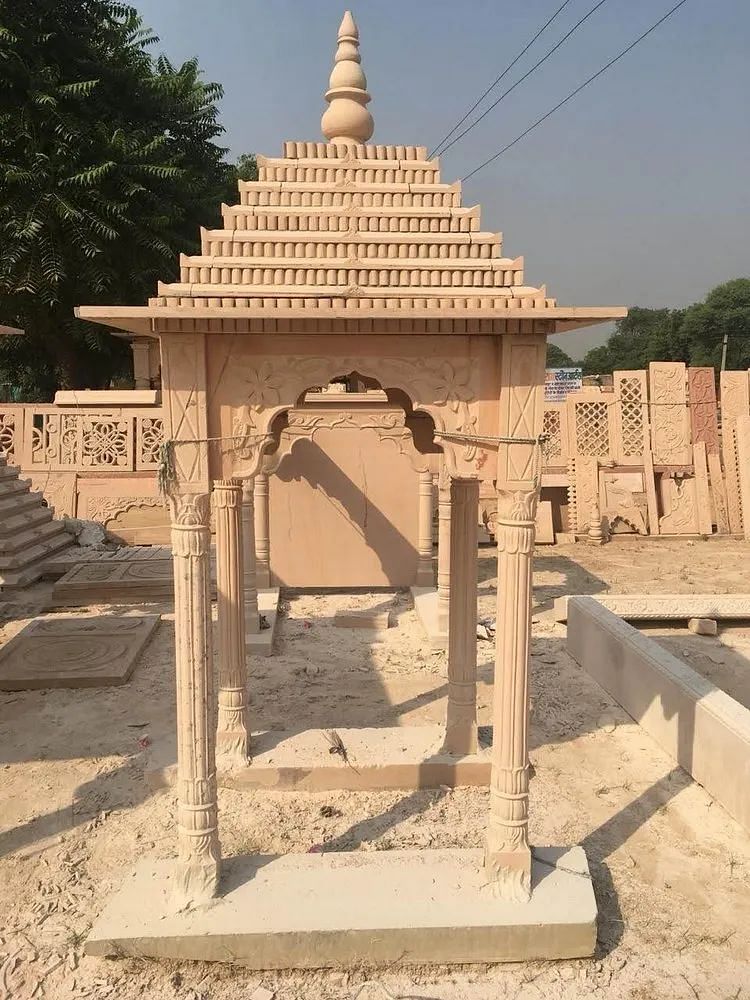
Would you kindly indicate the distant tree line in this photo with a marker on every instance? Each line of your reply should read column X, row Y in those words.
column 108, row 167
column 694, row 335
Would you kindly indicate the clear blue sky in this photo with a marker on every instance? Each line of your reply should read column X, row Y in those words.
column 635, row 193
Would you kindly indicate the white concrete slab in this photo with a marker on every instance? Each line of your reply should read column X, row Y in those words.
column 404, row 757
column 322, row 910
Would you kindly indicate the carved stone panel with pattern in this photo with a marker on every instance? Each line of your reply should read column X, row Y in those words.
column 631, row 429
column 586, row 491
column 184, row 380
column 590, row 422
column 735, row 402
column 735, row 396
column 680, row 506
column 521, row 409
column 670, row 429
column 704, row 422
column 256, row 387
column 556, row 448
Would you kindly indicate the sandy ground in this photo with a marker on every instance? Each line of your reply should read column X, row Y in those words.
column 671, row 868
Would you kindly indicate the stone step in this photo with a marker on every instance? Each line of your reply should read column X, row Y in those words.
column 29, row 536
column 33, row 553
column 13, row 485
column 8, row 471
column 14, row 503
column 31, row 518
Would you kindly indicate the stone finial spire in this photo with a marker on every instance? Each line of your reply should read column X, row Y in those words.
column 347, row 119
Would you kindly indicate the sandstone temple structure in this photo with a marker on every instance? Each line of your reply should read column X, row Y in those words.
column 348, row 258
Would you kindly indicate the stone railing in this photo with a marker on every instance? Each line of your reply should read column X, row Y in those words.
column 68, row 439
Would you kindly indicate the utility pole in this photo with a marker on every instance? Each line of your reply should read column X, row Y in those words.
column 724, row 351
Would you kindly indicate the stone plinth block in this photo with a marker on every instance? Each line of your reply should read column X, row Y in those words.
column 73, row 651
column 427, row 606
column 365, row 618
column 321, row 910
column 386, row 758
column 260, row 643
column 698, row 725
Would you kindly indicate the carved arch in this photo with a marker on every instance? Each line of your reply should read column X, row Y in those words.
column 447, row 391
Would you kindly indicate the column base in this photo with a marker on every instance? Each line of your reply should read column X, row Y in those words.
column 509, row 874
column 460, row 737
column 305, row 911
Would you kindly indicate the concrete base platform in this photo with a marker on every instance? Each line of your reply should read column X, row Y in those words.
column 389, row 758
column 426, row 606
column 310, row 911
column 261, row 643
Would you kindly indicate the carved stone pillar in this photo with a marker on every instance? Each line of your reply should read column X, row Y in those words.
column 232, row 733
column 262, row 532
column 252, row 618
column 444, row 552
column 461, row 719
column 141, row 349
column 425, row 575
column 508, row 855
column 199, row 850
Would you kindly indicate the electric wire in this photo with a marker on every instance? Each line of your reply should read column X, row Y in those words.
column 508, row 68
column 526, row 75
column 573, row 93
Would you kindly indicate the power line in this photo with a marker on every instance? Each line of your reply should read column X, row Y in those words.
column 576, row 91
column 436, row 150
column 527, row 74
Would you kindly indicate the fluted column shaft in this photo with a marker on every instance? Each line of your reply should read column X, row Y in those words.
column 262, row 532
column 199, row 850
column 425, row 575
column 444, row 554
column 461, row 718
column 508, row 855
column 252, row 618
column 232, row 733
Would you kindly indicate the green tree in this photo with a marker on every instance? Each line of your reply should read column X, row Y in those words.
column 108, row 166
column 643, row 335
column 726, row 309
column 557, row 358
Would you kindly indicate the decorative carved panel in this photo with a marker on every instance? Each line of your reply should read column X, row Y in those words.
column 586, row 490
column 680, row 506
column 670, row 430
column 631, row 428
column 590, row 421
column 704, row 422
column 521, row 408
column 184, row 381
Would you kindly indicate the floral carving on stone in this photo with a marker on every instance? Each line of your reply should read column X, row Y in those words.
column 445, row 390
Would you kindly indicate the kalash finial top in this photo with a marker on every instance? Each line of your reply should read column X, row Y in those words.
column 347, row 119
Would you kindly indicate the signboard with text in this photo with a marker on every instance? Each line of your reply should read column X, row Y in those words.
column 560, row 382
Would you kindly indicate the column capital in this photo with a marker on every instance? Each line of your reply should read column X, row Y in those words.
column 515, row 520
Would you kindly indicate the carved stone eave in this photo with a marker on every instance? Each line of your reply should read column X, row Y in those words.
column 152, row 320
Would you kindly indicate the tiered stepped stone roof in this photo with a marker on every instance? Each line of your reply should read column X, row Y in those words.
column 352, row 230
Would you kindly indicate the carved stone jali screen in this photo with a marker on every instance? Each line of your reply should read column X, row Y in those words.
column 349, row 258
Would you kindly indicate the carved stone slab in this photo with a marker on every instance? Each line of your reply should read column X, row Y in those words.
column 631, row 424
column 670, row 430
column 680, row 505
column 75, row 651
column 704, row 422
column 665, row 607
column 115, row 582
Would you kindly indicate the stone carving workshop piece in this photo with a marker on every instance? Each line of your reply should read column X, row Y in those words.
column 670, row 427
column 348, row 259
column 663, row 607
column 75, row 651
column 704, row 422
column 112, row 582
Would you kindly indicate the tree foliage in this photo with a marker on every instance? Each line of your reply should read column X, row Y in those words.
column 693, row 335
column 108, row 167
column 557, row 358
